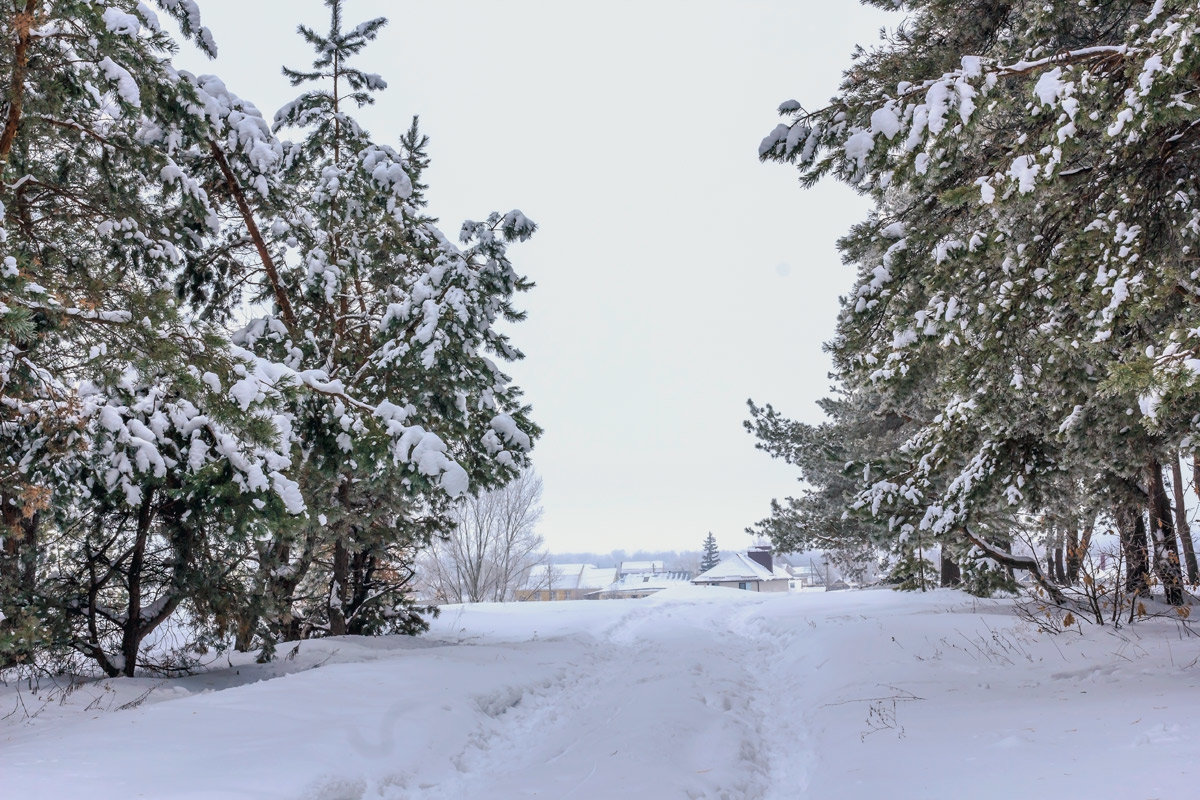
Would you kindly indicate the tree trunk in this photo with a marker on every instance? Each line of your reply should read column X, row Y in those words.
column 1073, row 556
column 282, row 579
column 1077, row 548
column 951, row 575
column 1196, row 473
column 362, row 580
column 1055, row 570
column 337, row 588
column 18, row 573
column 1132, row 529
column 131, row 635
column 1060, row 570
column 1162, row 533
column 243, row 637
column 1181, row 523
column 270, row 599
column 1050, row 554
column 22, row 24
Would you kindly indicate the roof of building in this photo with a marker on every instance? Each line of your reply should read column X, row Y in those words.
column 642, row 566
column 740, row 567
column 632, row 584
column 569, row 576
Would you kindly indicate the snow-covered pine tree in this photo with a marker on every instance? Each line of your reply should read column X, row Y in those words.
column 712, row 554
column 832, row 459
column 111, row 389
column 1029, row 256
column 159, row 513
column 389, row 326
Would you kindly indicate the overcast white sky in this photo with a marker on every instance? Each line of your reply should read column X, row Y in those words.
column 677, row 276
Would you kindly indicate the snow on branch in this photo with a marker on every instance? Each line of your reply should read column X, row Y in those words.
column 423, row 450
column 857, row 139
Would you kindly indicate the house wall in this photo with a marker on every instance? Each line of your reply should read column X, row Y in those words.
column 526, row 595
column 755, row 586
column 626, row 595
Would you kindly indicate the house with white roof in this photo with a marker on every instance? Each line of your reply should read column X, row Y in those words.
column 640, row 568
column 805, row 576
column 753, row 571
column 632, row 585
column 565, row 581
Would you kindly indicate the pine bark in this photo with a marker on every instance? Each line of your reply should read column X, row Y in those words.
column 363, row 581
column 1077, row 548
column 1196, row 473
column 1073, row 554
column 950, row 575
column 1162, row 533
column 1181, row 523
column 131, row 639
column 1060, row 569
column 1055, row 568
column 22, row 25
column 1132, row 529
column 337, row 590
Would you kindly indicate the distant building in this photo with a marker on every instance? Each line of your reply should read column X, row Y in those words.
column 804, row 576
column 564, row 581
column 640, row 568
column 635, row 584
column 753, row 571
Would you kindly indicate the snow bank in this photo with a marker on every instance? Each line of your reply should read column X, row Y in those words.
column 694, row 692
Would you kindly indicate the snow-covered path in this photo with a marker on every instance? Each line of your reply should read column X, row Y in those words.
column 676, row 698
column 690, row 694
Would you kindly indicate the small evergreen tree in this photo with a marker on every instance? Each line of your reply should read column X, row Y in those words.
column 712, row 555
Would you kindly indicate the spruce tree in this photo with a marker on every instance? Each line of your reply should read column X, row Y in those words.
column 712, row 555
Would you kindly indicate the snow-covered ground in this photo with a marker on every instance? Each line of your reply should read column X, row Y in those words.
column 693, row 693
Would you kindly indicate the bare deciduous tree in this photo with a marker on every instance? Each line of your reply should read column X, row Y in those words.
column 492, row 548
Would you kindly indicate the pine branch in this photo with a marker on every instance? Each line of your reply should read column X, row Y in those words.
column 1026, row 563
column 75, row 126
column 239, row 196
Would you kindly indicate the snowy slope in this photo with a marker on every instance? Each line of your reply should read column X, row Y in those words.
column 692, row 693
